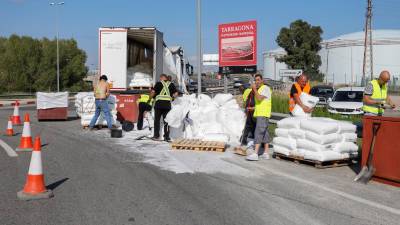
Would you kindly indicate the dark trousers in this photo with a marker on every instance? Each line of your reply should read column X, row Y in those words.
column 158, row 114
column 143, row 107
column 249, row 128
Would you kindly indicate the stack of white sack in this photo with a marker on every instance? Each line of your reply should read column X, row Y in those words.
column 141, row 80
column 86, row 107
column 217, row 119
column 307, row 100
column 317, row 138
column 140, row 75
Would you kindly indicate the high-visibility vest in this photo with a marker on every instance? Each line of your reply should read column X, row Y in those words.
column 306, row 89
column 378, row 94
column 164, row 94
column 246, row 94
column 145, row 99
column 263, row 107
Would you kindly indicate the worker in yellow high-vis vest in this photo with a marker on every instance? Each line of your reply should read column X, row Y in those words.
column 376, row 96
column 163, row 92
column 262, row 113
column 145, row 103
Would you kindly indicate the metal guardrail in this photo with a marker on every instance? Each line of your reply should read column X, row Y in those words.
column 19, row 95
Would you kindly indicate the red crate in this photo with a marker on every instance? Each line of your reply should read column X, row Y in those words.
column 386, row 158
column 127, row 107
column 52, row 114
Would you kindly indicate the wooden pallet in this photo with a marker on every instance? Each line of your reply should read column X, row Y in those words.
column 139, row 88
column 198, row 145
column 315, row 163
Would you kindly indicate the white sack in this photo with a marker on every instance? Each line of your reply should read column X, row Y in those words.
column 323, row 139
column 204, row 100
column 231, row 104
column 322, row 156
column 285, row 142
column 318, row 126
column 221, row 99
column 349, row 137
column 308, row 100
column 175, row 116
column 282, row 132
column 297, row 133
column 346, row 127
column 299, row 112
column 300, row 152
column 281, row 149
column 290, row 122
column 345, row 147
column 51, row 100
column 312, row 146
column 207, row 128
column 216, row 137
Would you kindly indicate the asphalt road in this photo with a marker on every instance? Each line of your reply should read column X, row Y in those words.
column 97, row 182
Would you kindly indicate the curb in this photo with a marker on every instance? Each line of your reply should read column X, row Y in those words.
column 21, row 103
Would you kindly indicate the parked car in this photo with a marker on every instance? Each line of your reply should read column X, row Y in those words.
column 347, row 101
column 238, row 83
column 323, row 92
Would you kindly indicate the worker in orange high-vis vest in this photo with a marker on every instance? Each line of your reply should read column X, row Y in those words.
column 301, row 85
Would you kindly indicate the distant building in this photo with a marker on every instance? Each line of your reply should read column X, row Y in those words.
column 342, row 57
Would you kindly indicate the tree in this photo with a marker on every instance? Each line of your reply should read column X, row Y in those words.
column 301, row 42
column 29, row 65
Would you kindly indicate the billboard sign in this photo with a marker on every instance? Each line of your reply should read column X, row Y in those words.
column 238, row 46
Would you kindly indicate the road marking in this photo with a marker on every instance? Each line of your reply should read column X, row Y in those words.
column 343, row 194
column 8, row 149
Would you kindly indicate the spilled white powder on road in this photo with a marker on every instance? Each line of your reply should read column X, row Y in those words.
column 178, row 161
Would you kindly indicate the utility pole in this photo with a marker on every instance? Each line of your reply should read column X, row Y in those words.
column 368, row 57
column 57, row 4
column 199, row 53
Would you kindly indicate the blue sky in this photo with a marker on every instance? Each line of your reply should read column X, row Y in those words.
column 80, row 19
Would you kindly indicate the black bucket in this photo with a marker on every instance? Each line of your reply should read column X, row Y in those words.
column 116, row 133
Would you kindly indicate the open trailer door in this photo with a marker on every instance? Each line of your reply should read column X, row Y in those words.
column 158, row 56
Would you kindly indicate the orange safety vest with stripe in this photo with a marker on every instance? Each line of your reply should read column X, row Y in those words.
column 306, row 89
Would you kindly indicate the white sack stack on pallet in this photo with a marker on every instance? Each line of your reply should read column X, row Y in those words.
column 86, row 107
column 217, row 119
column 317, row 138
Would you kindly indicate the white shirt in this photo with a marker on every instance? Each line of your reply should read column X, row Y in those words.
column 266, row 93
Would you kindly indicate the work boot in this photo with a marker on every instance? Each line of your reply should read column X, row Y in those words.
column 156, row 138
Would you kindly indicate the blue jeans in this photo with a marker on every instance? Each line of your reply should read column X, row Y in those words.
column 101, row 106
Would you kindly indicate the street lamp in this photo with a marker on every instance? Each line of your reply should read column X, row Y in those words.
column 58, row 55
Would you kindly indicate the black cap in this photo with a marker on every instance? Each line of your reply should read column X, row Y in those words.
column 103, row 77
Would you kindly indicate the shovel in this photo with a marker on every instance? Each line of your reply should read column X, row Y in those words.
column 368, row 170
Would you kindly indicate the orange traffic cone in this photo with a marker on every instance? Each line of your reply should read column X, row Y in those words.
column 26, row 138
column 16, row 119
column 34, row 187
column 10, row 130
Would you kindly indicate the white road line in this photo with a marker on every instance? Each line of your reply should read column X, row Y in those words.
column 343, row 194
column 8, row 149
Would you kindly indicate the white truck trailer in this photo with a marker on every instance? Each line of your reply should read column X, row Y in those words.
column 121, row 48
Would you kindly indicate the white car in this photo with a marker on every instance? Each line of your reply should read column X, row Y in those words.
column 347, row 101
